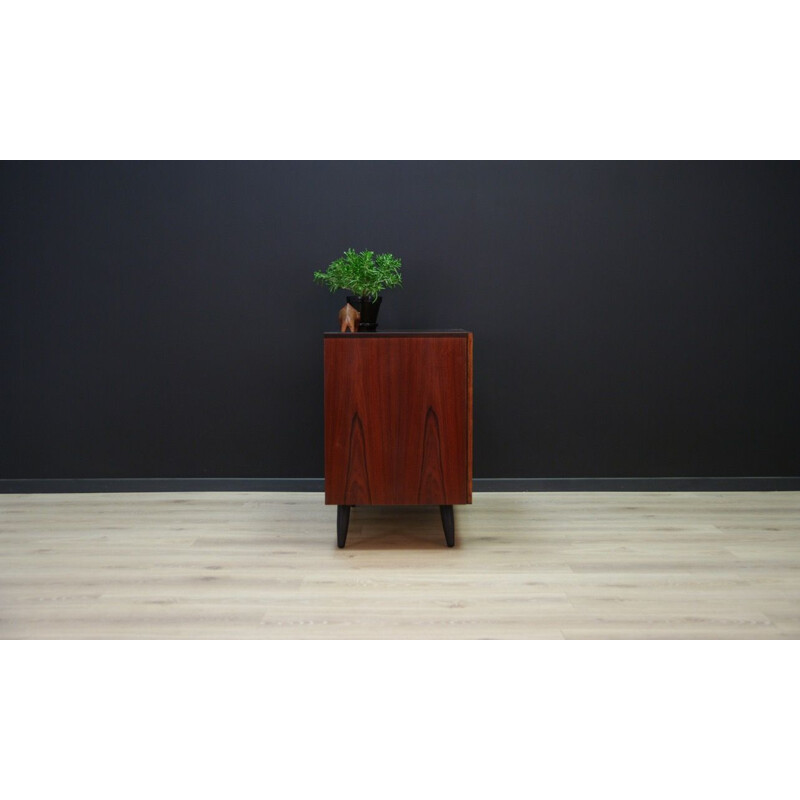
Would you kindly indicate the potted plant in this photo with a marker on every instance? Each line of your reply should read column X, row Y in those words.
column 365, row 275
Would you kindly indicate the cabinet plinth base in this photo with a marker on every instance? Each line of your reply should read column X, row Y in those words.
column 343, row 522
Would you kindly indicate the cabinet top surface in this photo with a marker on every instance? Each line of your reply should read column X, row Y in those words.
column 458, row 332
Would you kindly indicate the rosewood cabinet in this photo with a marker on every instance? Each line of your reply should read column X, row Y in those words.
column 398, row 421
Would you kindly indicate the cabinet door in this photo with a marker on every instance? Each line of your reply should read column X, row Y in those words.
column 396, row 420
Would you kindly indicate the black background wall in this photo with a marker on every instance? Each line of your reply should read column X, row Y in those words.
column 159, row 319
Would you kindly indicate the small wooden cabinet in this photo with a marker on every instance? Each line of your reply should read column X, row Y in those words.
column 398, row 421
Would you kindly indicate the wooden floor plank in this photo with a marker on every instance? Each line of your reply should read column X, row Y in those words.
column 239, row 565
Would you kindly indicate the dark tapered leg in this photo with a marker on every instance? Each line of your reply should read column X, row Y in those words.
column 449, row 525
column 342, row 521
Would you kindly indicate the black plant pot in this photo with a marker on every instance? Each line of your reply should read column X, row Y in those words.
column 369, row 312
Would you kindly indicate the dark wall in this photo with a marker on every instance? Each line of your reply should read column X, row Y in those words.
column 630, row 319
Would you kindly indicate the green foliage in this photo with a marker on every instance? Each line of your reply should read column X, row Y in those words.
column 364, row 274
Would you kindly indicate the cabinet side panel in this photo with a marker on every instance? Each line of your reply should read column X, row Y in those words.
column 341, row 416
column 396, row 420
column 431, row 421
column 356, row 393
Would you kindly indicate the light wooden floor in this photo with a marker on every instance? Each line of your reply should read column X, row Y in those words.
column 525, row 565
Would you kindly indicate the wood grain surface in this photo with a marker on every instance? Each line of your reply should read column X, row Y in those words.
column 525, row 566
column 397, row 420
